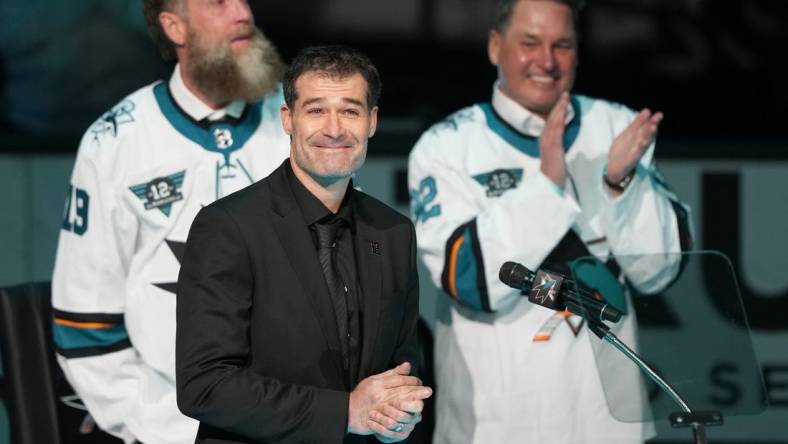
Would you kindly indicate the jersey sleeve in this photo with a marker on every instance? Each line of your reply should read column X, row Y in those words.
column 647, row 219
column 95, row 245
column 464, row 242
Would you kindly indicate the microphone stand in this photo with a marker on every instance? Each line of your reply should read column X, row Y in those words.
column 687, row 417
column 519, row 277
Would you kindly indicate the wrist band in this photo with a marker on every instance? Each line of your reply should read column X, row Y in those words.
column 622, row 184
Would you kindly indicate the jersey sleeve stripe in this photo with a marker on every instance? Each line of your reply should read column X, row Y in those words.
column 93, row 351
column 682, row 219
column 463, row 274
column 88, row 338
column 88, row 325
column 103, row 318
column 455, row 249
column 682, row 213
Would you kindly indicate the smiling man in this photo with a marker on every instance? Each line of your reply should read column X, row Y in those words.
column 298, row 296
column 540, row 177
column 143, row 171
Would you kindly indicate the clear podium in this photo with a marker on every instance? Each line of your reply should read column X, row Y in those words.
column 678, row 343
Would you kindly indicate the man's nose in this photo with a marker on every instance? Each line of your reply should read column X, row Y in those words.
column 241, row 12
column 546, row 58
column 332, row 126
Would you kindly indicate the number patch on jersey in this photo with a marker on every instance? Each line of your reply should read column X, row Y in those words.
column 421, row 200
column 160, row 192
column 499, row 181
column 75, row 211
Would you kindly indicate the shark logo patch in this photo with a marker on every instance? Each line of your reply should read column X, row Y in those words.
column 500, row 180
column 109, row 122
column 160, row 192
column 453, row 122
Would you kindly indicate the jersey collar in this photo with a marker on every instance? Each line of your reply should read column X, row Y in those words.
column 519, row 117
column 224, row 136
column 521, row 128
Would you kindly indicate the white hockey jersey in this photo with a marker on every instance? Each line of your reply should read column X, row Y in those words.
column 507, row 370
column 143, row 171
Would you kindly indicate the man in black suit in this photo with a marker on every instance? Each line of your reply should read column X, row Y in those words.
column 298, row 296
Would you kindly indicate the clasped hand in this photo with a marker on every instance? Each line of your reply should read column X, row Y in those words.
column 626, row 151
column 388, row 404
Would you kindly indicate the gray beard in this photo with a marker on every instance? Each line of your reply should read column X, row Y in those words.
column 222, row 77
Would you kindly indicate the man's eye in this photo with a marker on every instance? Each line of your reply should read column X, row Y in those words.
column 314, row 111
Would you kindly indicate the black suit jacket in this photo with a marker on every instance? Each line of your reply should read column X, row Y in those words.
column 257, row 348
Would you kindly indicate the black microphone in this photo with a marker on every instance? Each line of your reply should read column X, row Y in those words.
column 516, row 276
column 556, row 292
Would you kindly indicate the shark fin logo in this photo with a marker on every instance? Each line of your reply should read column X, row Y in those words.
column 546, row 289
column 543, row 292
column 177, row 249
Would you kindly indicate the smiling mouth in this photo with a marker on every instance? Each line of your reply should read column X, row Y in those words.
column 331, row 143
column 332, row 147
column 542, row 79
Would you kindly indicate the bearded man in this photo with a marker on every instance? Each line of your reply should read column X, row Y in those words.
column 143, row 171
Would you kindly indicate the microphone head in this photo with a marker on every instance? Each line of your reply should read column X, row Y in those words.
column 516, row 276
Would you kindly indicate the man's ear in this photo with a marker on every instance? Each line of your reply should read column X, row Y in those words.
column 373, row 121
column 287, row 119
column 493, row 46
column 174, row 27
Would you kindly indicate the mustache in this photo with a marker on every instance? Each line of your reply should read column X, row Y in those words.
column 342, row 141
column 245, row 32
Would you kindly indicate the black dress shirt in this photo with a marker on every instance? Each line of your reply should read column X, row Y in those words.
column 314, row 212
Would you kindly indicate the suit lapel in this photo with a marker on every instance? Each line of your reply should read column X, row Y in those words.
column 369, row 249
column 296, row 241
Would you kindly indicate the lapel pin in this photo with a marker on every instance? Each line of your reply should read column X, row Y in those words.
column 374, row 248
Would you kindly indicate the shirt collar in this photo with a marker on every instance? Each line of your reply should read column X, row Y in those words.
column 518, row 116
column 196, row 108
column 312, row 209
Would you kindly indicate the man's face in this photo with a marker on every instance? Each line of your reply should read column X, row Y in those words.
column 224, row 55
column 219, row 25
column 329, row 126
column 536, row 54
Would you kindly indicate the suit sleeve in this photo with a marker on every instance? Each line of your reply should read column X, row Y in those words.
column 463, row 242
column 407, row 343
column 214, row 384
column 89, row 292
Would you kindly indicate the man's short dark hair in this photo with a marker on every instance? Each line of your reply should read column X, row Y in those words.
column 336, row 62
column 152, row 9
column 505, row 8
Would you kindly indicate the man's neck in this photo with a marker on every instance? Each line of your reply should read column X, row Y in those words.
column 330, row 194
column 519, row 117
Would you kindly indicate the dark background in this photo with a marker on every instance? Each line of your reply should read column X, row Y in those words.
column 714, row 67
